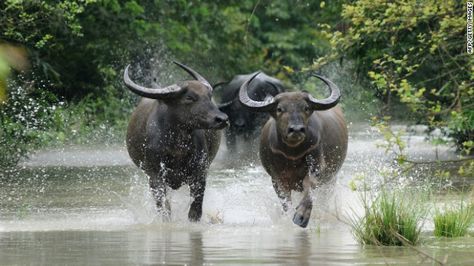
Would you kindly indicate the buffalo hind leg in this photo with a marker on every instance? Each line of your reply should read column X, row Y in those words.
column 158, row 190
column 284, row 194
column 197, row 194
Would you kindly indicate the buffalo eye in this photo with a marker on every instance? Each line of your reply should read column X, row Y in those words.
column 190, row 99
column 306, row 109
column 279, row 110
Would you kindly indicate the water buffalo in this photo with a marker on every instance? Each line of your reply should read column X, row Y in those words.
column 172, row 135
column 302, row 145
column 244, row 122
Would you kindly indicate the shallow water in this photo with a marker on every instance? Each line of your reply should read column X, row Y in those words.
column 83, row 205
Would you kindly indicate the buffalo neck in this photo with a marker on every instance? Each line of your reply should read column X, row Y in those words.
column 278, row 146
column 174, row 131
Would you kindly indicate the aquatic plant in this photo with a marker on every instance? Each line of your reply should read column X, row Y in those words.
column 391, row 219
column 453, row 221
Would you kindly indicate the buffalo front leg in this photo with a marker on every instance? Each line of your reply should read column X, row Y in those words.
column 230, row 139
column 158, row 190
column 304, row 208
column 197, row 194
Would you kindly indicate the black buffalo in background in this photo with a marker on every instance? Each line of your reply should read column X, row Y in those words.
column 244, row 123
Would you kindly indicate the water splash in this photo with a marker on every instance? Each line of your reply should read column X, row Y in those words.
column 100, row 189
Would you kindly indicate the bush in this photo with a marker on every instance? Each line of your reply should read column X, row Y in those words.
column 31, row 119
column 23, row 119
column 90, row 121
column 410, row 53
column 390, row 220
column 453, row 222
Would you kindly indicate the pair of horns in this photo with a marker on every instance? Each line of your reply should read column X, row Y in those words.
column 166, row 92
column 266, row 84
column 270, row 102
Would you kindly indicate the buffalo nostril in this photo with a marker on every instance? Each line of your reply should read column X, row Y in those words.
column 296, row 129
column 220, row 119
column 239, row 122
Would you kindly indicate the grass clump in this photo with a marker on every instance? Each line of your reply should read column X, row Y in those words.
column 453, row 221
column 389, row 220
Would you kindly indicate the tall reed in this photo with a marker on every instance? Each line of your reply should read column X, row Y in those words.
column 453, row 221
column 391, row 219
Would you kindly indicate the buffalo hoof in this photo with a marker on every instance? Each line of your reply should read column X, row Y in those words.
column 165, row 214
column 300, row 220
column 194, row 216
column 164, row 209
column 303, row 212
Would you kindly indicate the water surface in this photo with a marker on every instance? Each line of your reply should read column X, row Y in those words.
column 84, row 205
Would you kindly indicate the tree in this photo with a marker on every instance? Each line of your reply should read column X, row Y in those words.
column 414, row 52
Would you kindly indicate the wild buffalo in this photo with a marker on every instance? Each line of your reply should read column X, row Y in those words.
column 243, row 122
column 172, row 135
column 302, row 145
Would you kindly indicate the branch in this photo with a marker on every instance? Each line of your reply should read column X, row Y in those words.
column 441, row 161
column 248, row 21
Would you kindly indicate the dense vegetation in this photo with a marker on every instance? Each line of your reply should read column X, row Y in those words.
column 391, row 219
column 64, row 59
column 414, row 53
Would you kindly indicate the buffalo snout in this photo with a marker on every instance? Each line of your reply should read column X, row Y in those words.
column 296, row 129
column 240, row 122
column 220, row 121
column 295, row 134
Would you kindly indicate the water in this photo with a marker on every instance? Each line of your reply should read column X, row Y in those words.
column 83, row 205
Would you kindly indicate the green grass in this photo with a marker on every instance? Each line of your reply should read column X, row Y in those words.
column 390, row 220
column 453, row 221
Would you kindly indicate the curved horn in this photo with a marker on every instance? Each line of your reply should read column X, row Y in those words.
column 267, row 105
column 330, row 101
column 155, row 93
column 219, row 85
column 226, row 104
column 195, row 75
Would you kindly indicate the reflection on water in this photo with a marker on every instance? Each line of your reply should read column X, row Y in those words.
column 83, row 206
column 197, row 245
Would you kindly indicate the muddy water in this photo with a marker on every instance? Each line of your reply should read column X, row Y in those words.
column 83, row 205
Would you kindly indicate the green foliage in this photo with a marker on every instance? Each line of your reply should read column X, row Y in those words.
column 78, row 48
column 45, row 28
column 222, row 38
column 391, row 219
column 91, row 121
column 4, row 73
column 10, row 57
column 30, row 121
column 23, row 118
column 413, row 52
column 392, row 141
column 453, row 221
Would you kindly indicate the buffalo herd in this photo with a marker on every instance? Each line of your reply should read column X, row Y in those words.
column 174, row 134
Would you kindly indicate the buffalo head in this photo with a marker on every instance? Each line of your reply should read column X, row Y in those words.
column 244, row 123
column 190, row 101
column 291, row 110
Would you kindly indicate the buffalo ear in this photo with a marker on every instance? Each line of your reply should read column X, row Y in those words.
column 177, row 99
column 225, row 108
column 226, row 105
